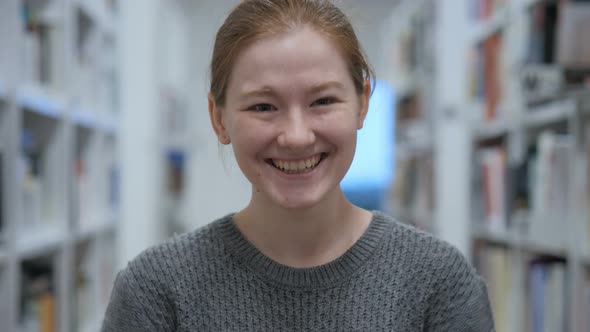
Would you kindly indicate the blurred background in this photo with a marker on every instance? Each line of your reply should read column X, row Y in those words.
column 478, row 132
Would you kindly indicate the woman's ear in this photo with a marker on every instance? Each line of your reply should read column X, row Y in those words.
column 364, row 103
column 216, row 117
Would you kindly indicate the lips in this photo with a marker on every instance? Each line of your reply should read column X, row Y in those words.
column 297, row 166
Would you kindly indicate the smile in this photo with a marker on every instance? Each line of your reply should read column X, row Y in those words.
column 298, row 166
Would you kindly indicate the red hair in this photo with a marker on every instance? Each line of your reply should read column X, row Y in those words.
column 253, row 20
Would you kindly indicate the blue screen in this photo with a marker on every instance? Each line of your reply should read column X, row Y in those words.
column 373, row 166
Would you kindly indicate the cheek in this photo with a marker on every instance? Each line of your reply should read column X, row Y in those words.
column 248, row 136
column 341, row 129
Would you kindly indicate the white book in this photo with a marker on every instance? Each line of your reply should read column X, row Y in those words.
column 550, row 191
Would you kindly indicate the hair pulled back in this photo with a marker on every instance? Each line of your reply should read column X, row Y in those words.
column 253, row 20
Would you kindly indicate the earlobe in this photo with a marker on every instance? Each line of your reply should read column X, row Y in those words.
column 215, row 115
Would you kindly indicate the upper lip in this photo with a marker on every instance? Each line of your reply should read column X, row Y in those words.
column 291, row 158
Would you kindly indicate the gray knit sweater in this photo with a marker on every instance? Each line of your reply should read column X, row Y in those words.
column 394, row 278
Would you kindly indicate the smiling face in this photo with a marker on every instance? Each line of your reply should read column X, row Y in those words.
column 291, row 114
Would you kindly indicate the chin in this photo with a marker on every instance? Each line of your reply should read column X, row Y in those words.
column 299, row 201
column 297, row 204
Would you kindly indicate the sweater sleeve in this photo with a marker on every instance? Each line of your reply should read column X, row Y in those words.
column 137, row 303
column 459, row 302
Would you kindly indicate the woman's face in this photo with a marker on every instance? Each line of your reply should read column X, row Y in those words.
column 291, row 115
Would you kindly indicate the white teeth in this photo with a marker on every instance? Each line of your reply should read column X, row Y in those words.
column 300, row 166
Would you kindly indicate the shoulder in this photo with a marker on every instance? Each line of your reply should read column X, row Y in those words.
column 164, row 263
column 405, row 236
column 435, row 260
column 455, row 296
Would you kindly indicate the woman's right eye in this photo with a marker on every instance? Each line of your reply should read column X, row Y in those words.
column 262, row 108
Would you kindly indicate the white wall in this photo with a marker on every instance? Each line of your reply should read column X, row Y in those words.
column 368, row 17
column 215, row 186
column 140, row 224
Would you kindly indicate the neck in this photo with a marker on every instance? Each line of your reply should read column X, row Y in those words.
column 303, row 237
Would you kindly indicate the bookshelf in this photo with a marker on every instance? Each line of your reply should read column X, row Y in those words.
column 59, row 163
column 411, row 195
column 507, row 138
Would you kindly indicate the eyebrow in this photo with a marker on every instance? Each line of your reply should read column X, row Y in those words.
column 268, row 91
column 325, row 86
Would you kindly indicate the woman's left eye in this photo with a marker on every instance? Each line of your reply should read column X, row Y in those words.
column 324, row 101
column 262, row 108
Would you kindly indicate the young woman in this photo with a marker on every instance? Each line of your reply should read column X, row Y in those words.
column 290, row 87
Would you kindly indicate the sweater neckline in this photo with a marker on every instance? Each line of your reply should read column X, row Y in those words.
column 322, row 276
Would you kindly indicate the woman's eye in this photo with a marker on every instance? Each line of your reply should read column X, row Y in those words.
column 324, row 101
column 261, row 108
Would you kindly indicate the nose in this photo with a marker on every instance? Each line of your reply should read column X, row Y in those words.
column 296, row 131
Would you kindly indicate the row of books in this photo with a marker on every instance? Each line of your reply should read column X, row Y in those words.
column 413, row 54
column 539, row 185
column 38, row 303
column 96, row 185
column 95, row 191
column 412, row 194
column 94, row 64
column 526, row 293
column 38, row 205
column 93, row 76
column 555, row 56
column 92, row 282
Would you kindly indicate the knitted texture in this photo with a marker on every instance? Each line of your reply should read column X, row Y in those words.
column 394, row 278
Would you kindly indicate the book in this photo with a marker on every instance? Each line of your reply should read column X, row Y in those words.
column 38, row 310
column 573, row 50
column 547, row 286
column 487, row 76
column 490, row 188
column 503, row 273
column 82, row 298
column 543, row 22
column 550, row 192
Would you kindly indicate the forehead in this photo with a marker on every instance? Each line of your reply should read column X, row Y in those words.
column 297, row 58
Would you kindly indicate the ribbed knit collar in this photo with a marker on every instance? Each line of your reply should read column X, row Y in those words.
column 323, row 276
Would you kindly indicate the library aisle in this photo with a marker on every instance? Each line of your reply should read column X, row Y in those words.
column 493, row 146
column 105, row 145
